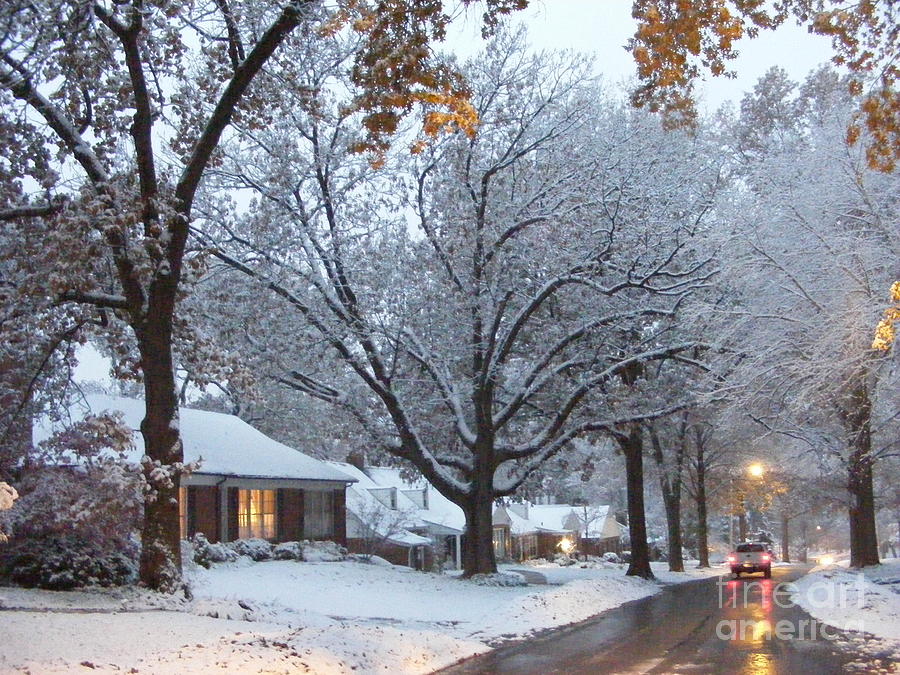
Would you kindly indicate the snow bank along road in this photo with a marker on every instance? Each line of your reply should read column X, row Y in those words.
column 751, row 625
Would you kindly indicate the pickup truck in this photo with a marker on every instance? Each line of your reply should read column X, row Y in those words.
column 751, row 558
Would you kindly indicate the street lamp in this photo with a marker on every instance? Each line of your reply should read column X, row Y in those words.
column 756, row 470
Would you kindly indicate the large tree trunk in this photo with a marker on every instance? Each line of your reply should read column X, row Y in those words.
column 863, row 538
column 160, row 567
column 672, row 500
column 478, row 546
column 702, row 516
column 785, row 533
column 670, row 486
column 632, row 447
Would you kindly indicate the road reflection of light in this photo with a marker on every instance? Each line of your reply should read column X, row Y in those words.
column 758, row 663
column 760, row 659
column 766, row 595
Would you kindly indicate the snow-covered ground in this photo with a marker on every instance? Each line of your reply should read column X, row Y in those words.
column 284, row 616
column 861, row 602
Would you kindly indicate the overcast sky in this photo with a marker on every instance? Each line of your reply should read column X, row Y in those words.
column 602, row 27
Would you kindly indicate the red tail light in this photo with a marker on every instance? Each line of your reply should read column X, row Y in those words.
column 766, row 557
column 732, row 558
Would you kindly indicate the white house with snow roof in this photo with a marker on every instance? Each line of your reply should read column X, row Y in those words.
column 383, row 521
column 247, row 484
column 429, row 514
column 542, row 530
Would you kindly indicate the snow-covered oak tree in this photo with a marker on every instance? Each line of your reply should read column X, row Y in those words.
column 112, row 113
column 815, row 244
column 487, row 297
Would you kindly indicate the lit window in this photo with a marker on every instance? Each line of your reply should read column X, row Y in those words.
column 318, row 514
column 256, row 514
column 183, row 511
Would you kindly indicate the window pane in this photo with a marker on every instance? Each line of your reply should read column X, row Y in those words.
column 318, row 514
column 256, row 514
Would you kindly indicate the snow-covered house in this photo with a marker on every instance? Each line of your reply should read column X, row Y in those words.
column 383, row 520
column 519, row 537
column 591, row 527
column 247, row 484
column 427, row 512
column 444, row 521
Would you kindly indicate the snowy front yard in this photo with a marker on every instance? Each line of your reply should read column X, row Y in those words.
column 285, row 616
column 863, row 602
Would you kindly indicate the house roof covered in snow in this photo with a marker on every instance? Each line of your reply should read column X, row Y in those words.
column 441, row 513
column 224, row 444
column 557, row 517
column 362, row 502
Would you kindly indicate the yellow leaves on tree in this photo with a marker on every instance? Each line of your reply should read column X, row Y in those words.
column 678, row 39
column 395, row 70
column 885, row 332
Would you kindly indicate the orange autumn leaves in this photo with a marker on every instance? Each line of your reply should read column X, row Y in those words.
column 885, row 332
column 678, row 39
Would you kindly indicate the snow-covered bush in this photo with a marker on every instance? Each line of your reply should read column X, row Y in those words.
column 93, row 509
column 323, row 551
column 498, row 579
column 563, row 560
column 257, row 549
column 207, row 553
column 612, row 557
column 62, row 562
column 288, row 550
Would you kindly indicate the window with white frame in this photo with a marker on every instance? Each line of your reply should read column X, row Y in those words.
column 256, row 514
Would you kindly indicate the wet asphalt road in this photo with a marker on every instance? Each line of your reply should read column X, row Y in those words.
column 719, row 625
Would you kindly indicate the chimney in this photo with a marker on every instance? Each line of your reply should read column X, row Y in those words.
column 357, row 458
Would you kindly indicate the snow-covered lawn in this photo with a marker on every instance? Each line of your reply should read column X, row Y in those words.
column 865, row 601
column 284, row 616
column 862, row 602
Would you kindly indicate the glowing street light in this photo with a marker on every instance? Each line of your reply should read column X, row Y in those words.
column 567, row 545
column 756, row 470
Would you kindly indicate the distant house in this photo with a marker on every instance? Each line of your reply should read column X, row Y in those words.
column 525, row 537
column 384, row 521
column 427, row 512
column 248, row 485
column 592, row 527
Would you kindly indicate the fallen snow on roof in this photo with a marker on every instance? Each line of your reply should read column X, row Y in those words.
column 363, row 504
column 441, row 511
column 227, row 445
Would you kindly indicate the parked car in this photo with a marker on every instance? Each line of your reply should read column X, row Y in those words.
column 751, row 558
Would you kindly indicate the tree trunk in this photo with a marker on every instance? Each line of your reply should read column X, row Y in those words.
column 160, row 567
column 702, row 517
column 863, row 538
column 742, row 522
column 785, row 550
column 478, row 546
column 672, row 500
column 633, row 449
column 670, row 486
